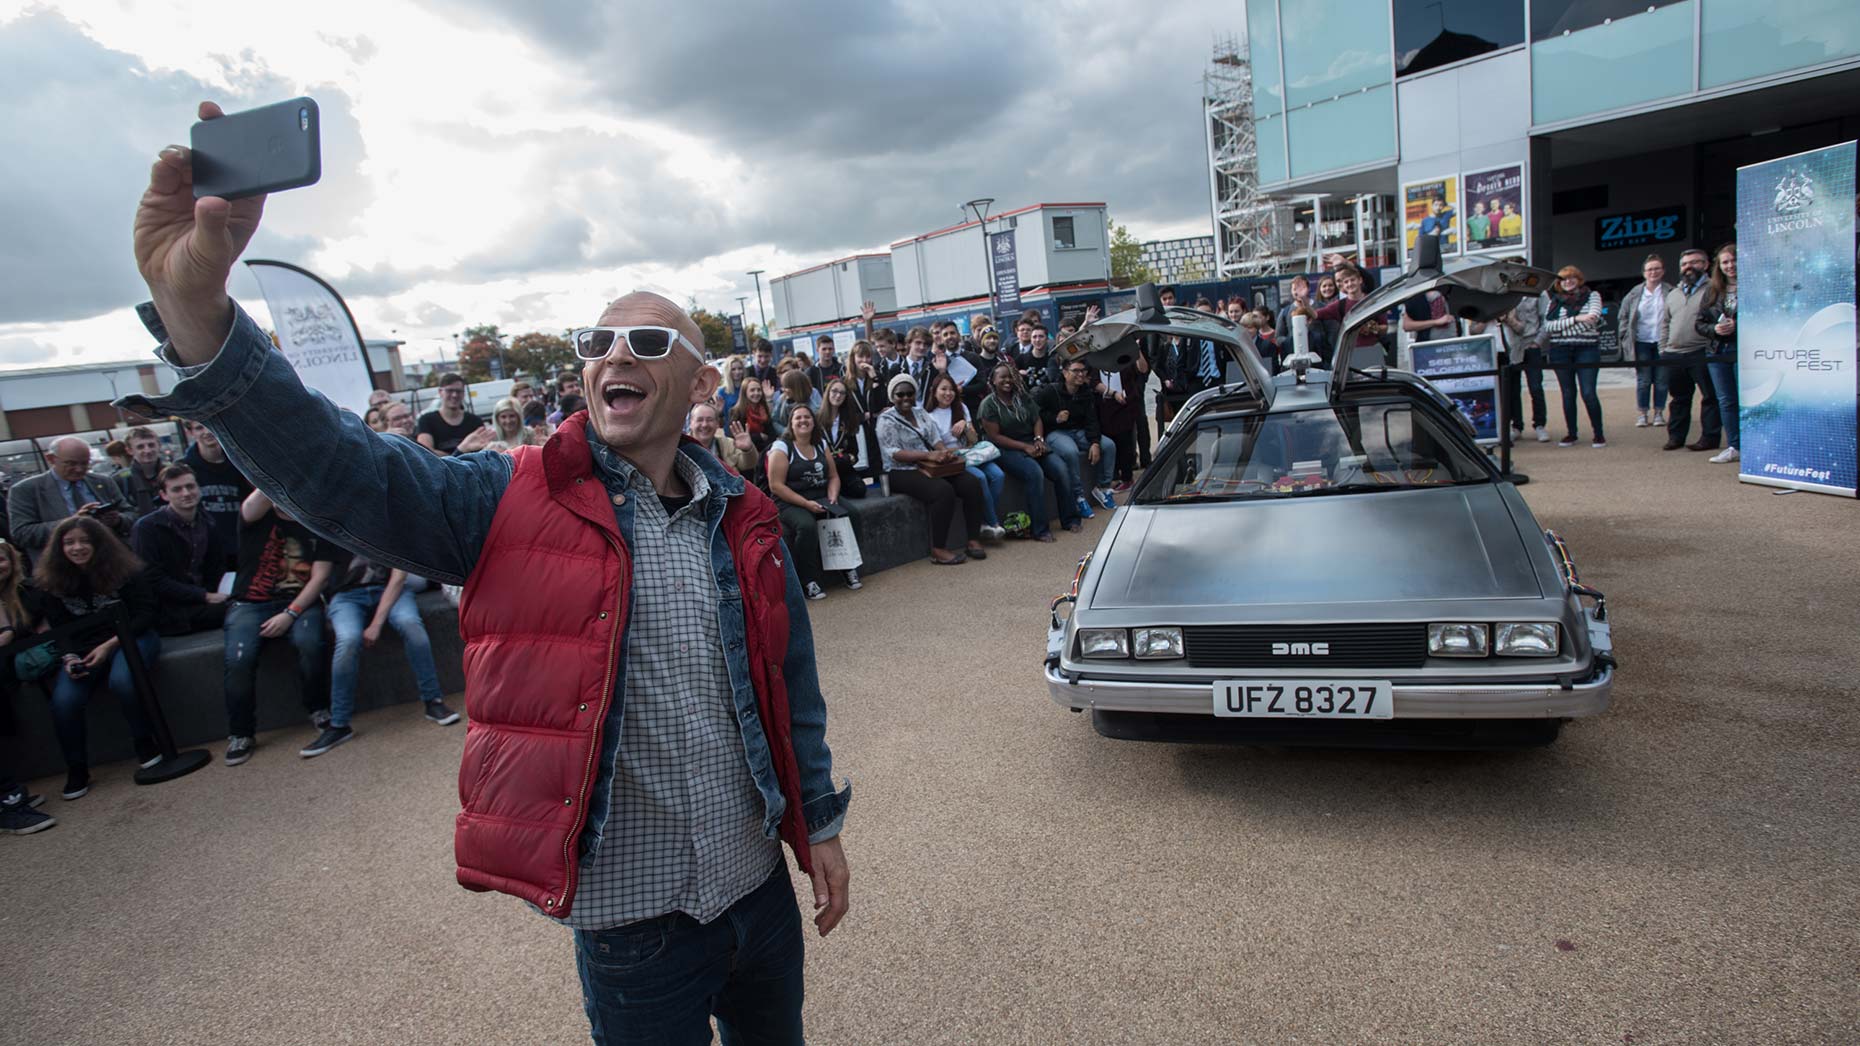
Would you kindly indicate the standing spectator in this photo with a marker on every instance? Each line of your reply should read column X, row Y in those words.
column 116, row 453
column 1038, row 366
column 1023, row 340
column 1326, row 291
column 957, row 432
column 982, row 351
column 1368, row 336
column 278, row 592
column 916, row 361
column 1643, row 309
column 444, row 427
column 841, row 424
column 806, row 488
column 865, row 380
column 68, row 488
column 223, row 487
column 366, row 597
column 888, row 359
column 1522, row 331
column 826, row 363
column 1682, row 349
column 380, row 398
column 1317, row 337
column 523, row 392
column 567, row 384
column 794, row 390
column 1118, row 415
column 1718, row 323
column 186, row 556
column 141, row 480
column 1426, row 318
column 751, row 420
column 1069, row 414
column 536, row 420
column 87, row 571
column 1571, row 324
column 764, row 368
column 1010, row 418
column 1301, row 295
column 907, row 444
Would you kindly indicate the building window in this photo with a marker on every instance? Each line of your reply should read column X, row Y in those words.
column 1552, row 18
column 1063, row 238
column 1433, row 33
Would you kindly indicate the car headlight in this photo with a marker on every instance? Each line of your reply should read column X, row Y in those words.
column 1157, row 642
column 1528, row 640
column 1104, row 642
column 1457, row 640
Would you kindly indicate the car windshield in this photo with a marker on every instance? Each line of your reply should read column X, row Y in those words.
column 1339, row 448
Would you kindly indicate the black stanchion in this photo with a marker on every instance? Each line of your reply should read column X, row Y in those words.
column 1507, row 370
column 173, row 763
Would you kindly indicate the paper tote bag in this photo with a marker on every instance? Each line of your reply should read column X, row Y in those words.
column 839, row 550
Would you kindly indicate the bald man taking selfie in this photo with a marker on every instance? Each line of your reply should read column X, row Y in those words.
column 647, row 726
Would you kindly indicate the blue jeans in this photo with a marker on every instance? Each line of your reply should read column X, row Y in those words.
column 1069, row 445
column 661, row 980
column 992, row 480
column 242, row 645
column 1724, row 382
column 70, row 695
column 349, row 614
column 1563, row 359
column 1029, row 470
column 1649, row 380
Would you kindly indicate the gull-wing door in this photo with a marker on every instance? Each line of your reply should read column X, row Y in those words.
column 1113, row 342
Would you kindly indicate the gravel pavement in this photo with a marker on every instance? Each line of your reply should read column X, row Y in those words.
column 1683, row 869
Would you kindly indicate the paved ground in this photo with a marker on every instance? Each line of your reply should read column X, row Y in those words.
column 1682, row 870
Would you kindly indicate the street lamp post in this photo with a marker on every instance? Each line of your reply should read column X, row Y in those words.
column 742, row 316
column 980, row 207
column 757, row 273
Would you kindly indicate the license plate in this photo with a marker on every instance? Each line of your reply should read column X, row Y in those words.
column 1305, row 698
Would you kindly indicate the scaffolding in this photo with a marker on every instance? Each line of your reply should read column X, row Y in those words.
column 1245, row 221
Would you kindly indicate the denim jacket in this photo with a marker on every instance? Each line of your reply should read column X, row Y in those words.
column 388, row 498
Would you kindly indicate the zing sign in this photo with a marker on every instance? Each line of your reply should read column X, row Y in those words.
column 1640, row 228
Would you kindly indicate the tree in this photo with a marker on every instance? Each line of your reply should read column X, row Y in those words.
column 543, row 355
column 1127, row 268
column 478, row 346
column 717, row 338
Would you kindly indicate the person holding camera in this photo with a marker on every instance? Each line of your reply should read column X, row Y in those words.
column 68, row 488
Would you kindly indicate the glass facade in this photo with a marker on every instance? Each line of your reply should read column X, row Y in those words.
column 1630, row 60
column 1551, row 18
column 1433, row 33
column 1334, row 47
column 1262, row 37
column 1743, row 39
column 1269, row 139
column 1354, row 130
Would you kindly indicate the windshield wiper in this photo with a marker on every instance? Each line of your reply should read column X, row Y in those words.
column 1190, row 499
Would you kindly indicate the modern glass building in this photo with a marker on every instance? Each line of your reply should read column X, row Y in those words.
column 1595, row 130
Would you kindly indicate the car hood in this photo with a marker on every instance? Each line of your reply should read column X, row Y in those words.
column 1444, row 543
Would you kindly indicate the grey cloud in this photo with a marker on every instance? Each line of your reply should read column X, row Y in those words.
column 20, row 350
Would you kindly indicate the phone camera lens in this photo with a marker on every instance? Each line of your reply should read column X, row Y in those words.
column 303, row 119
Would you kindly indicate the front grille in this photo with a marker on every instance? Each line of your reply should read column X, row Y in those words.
column 1400, row 645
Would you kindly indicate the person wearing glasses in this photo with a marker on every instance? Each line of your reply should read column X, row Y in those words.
column 919, row 466
column 647, row 727
column 68, row 488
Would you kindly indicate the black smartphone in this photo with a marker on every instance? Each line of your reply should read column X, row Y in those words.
column 264, row 150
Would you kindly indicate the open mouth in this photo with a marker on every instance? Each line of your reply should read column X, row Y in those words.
column 622, row 396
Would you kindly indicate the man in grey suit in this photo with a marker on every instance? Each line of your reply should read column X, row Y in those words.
column 69, row 488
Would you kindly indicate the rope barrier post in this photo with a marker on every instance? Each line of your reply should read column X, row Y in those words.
column 173, row 763
column 1507, row 372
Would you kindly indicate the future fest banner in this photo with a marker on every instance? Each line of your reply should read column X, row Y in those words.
column 1795, row 321
column 316, row 333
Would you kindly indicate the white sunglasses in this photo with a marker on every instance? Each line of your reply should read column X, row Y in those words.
column 645, row 343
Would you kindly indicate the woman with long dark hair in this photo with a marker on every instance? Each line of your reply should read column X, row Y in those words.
column 86, row 570
column 958, row 433
column 1011, row 420
column 1718, row 322
column 1572, row 323
column 750, row 418
column 841, row 423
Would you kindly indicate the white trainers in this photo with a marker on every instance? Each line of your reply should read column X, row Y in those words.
column 1658, row 418
column 1727, row 454
column 1640, row 421
column 1543, row 434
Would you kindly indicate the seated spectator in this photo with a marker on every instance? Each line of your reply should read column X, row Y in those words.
column 375, row 419
column 69, row 488
column 141, row 481
column 19, row 619
column 795, row 389
column 536, row 420
column 278, row 592
column 223, row 487
column 400, row 419
column 703, row 426
column 366, row 598
column 806, row 488
column 187, row 557
column 908, row 446
column 1010, row 419
column 507, row 426
column 751, row 420
column 763, row 370
column 735, row 371
column 569, row 406
column 86, row 571
column 379, row 399
column 1069, row 415
column 841, row 423
column 1119, row 413
column 956, row 432
column 444, row 427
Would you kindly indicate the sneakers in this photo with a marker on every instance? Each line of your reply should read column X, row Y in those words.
column 1728, row 454
column 147, row 754
column 22, row 819
column 1641, row 421
column 77, row 783
column 852, row 577
column 1122, row 486
column 328, row 739
column 239, row 749
column 1104, row 497
column 1543, row 434
column 439, row 713
column 1567, row 441
column 320, row 719
column 991, row 532
column 1658, row 418
column 814, row 591
column 1084, row 508
column 1599, row 443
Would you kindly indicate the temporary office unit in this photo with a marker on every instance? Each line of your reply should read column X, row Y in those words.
column 833, row 291
column 1055, row 244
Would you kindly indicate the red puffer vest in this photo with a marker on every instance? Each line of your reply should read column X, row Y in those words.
column 543, row 616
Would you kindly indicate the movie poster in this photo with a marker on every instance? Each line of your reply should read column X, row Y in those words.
column 1495, row 210
column 1795, row 321
column 1477, row 397
column 1432, row 206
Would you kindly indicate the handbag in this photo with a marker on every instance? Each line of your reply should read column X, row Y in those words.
column 941, row 471
column 35, row 662
column 839, row 549
column 983, row 452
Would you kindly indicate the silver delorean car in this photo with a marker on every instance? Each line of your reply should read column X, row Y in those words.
column 1326, row 557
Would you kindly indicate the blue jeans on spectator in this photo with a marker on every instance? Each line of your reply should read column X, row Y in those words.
column 1724, row 382
column 1029, row 471
column 70, row 695
column 349, row 614
column 992, row 480
column 1564, row 359
column 242, row 643
column 1069, row 445
column 660, row 980
column 1649, row 380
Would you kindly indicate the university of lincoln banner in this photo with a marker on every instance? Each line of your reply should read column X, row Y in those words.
column 1795, row 320
column 316, row 333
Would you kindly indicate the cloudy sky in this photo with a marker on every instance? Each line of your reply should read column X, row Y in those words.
column 522, row 163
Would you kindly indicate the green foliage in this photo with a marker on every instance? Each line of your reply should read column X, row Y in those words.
column 1127, row 268
column 478, row 346
column 717, row 339
column 541, row 355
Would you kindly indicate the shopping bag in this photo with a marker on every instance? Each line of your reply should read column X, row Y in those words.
column 839, row 550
